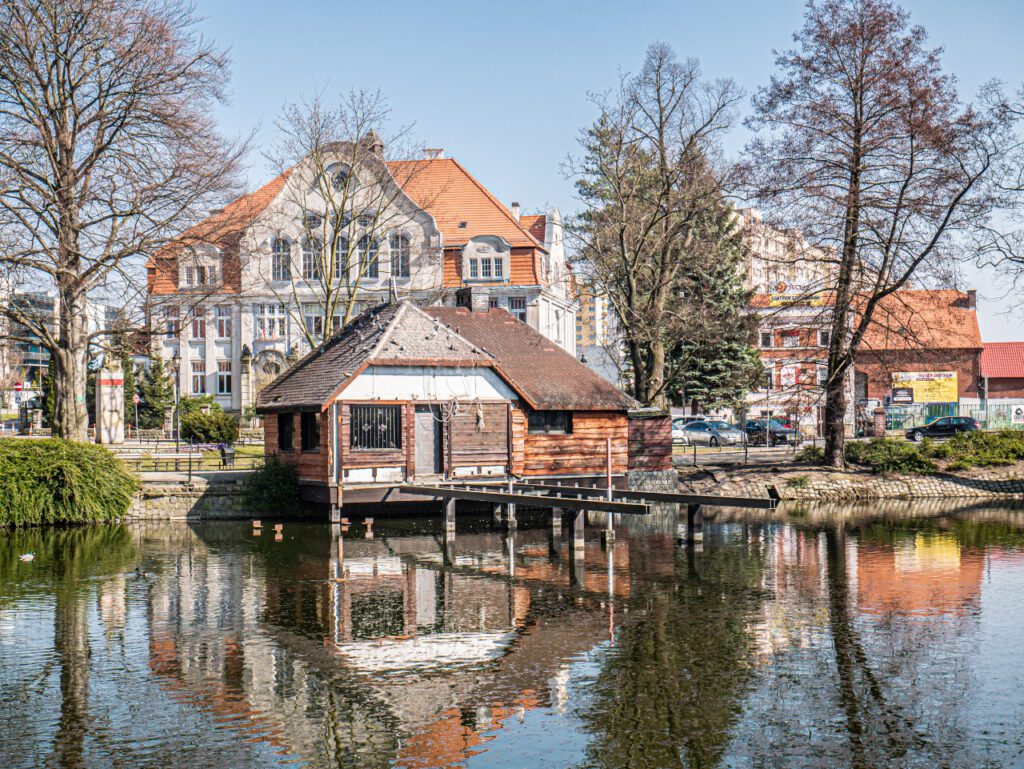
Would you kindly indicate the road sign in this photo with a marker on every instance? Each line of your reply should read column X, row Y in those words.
column 17, row 387
column 136, row 399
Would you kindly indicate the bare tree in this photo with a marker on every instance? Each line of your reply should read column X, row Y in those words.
column 107, row 147
column 651, row 181
column 347, row 189
column 864, row 143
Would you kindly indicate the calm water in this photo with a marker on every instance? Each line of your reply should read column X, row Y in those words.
column 822, row 637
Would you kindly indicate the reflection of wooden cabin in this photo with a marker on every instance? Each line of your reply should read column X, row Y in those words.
column 443, row 392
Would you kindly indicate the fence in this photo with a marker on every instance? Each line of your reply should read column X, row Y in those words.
column 992, row 416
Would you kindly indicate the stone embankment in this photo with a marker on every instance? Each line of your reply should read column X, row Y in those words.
column 176, row 496
column 804, row 483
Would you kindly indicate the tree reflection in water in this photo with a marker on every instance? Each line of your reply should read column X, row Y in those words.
column 671, row 691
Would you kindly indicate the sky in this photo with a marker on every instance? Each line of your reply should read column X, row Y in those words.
column 504, row 87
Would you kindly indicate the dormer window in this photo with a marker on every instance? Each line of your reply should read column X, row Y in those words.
column 486, row 258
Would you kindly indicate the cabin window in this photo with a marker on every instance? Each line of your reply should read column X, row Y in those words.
column 553, row 422
column 375, row 427
column 310, row 431
column 285, row 432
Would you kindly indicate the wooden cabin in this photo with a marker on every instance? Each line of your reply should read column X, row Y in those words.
column 440, row 393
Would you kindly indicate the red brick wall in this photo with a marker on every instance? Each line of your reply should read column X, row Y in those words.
column 879, row 368
column 1006, row 388
column 309, row 465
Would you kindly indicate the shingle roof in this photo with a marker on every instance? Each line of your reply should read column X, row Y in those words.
column 544, row 374
column 450, row 194
column 389, row 334
column 536, row 223
column 923, row 320
column 1003, row 360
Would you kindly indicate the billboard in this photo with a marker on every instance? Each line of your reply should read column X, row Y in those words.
column 928, row 386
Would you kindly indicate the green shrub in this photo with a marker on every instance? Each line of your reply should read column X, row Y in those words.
column 273, row 488
column 196, row 403
column 812, row 455
column 884, row 455
column 798, row 481
column 982, row 449
column 56, row 481
column 214, row 427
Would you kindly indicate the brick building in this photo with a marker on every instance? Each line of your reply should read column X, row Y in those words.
column 1002, row 369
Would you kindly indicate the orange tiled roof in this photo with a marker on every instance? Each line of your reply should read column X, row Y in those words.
column 536, row 224
column 923, row 320
column 229, row 222
column 450, row 194
column 1003, row 360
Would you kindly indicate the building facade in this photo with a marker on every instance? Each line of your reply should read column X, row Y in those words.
column 237, row 299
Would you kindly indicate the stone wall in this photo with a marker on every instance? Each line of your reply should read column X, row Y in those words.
column 195, row 500
column 811, row 484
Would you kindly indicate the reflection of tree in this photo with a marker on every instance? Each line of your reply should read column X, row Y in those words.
column 65, row 558
column 669, row 692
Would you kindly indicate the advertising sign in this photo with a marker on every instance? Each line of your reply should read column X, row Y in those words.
column 928, row 386
column 783, row 299
column 903, row 395
column 1018, row 415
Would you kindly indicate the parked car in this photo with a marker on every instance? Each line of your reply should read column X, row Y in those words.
column 712, row 433
column 772, row 434
column 943, row 427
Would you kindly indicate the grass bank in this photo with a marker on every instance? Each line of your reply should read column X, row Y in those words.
column 53, row 481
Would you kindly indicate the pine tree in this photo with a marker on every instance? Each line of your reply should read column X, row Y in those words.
column 157, row 395
column 714, row 361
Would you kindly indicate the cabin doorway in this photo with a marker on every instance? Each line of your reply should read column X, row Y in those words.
column 428, row 440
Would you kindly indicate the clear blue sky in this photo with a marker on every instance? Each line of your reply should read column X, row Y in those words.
column 503, row 86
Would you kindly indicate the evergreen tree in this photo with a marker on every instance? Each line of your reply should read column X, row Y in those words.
column 713, row 360
column 157, row 395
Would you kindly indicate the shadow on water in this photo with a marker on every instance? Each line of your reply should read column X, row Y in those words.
column 872, row 636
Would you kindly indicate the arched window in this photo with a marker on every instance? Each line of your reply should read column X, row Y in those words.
column 312, row 259
column 281, row 259
column 399, row 247
column 366, row 256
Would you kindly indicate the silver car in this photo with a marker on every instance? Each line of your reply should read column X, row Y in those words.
column 712, row 433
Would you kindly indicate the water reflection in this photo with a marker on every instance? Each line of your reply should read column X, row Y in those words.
column 803, row 637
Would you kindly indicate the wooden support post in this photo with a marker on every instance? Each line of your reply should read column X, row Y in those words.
column 578, row 531
column 555, row 534
column 498, row 510
column 449, row 518
column 510, row 516
column 335, row 513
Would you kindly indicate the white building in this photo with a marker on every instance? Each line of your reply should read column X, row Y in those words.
column 249, row 288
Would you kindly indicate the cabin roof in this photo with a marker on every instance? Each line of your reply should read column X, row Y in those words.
column 402, row 334
column 544, row 374
column 395, row 334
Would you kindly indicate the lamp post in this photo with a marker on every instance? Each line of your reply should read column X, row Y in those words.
column 175, row 366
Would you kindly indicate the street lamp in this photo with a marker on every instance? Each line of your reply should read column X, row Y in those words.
column 176, row 366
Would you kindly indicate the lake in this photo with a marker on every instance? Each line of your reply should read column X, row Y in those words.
column 882, row 636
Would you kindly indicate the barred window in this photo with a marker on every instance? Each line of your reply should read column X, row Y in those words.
column 375, row 427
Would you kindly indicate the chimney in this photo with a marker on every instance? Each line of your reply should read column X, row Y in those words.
column 474, row 298
column 972, row 299
column 515, row 210
column 433, row 153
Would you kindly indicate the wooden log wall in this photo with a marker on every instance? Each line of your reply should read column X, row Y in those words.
column 582, row 452
column 313, row 466
column 650, row 443
column 479, row 437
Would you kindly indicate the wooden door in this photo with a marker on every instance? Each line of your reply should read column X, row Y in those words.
column 428, row 440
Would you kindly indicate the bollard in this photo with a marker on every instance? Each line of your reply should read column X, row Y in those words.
column 257, row 524
column 278, row 528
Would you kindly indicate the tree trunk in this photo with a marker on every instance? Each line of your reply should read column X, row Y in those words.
column 70, row 365
column 835, row 425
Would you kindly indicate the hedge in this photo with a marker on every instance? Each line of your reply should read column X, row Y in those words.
column 54, row 481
